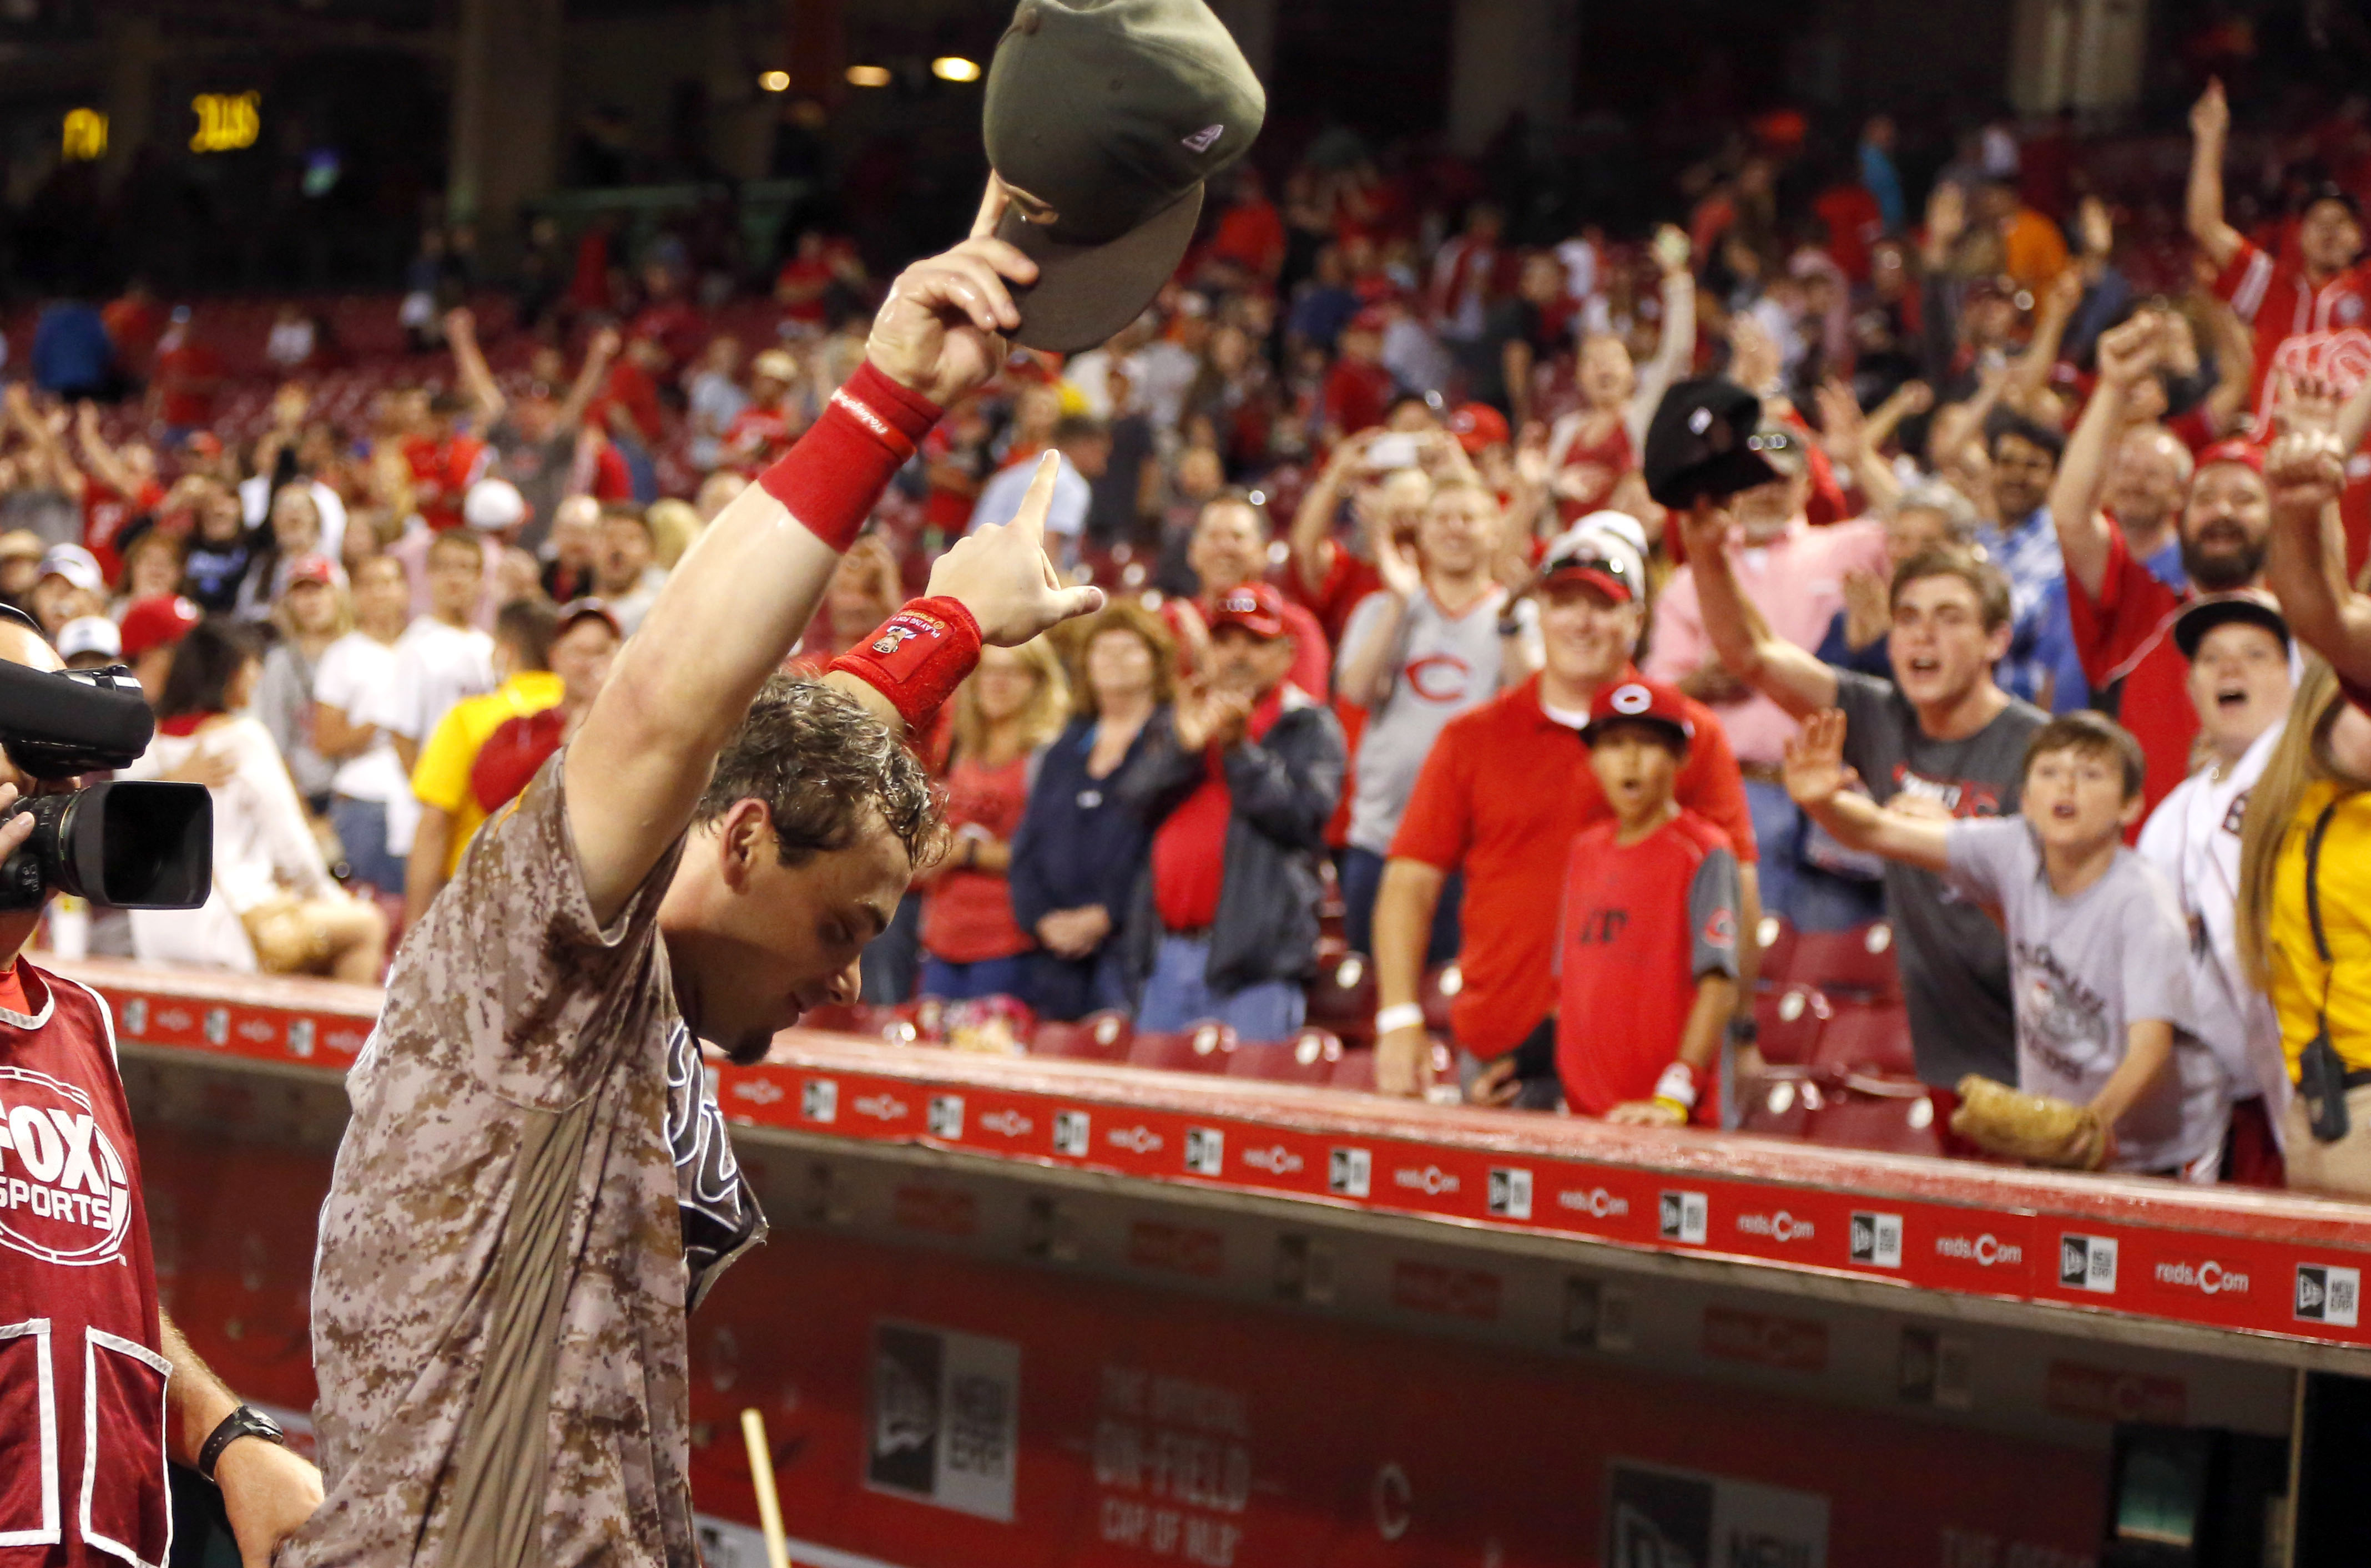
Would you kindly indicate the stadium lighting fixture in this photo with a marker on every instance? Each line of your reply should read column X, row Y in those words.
column 83, row 137
column 955, row 68
column 868, row 75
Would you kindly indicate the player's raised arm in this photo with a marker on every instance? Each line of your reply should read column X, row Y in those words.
column 738, row 600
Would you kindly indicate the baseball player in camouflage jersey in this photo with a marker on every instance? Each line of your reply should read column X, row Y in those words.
column 534, row 1190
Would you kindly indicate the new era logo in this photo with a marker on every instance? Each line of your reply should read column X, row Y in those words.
column 2325, row 1295
column 819, row 1101
column 1683, row 1217
column 1200, row 140
column 1349, row 1173
column 1877, row 1239
column 2088, row 1263
column 1511, row 1192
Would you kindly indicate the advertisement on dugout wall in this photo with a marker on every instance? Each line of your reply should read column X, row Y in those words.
column 926, row 1411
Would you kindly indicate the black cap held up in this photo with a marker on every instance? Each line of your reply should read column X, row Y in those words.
column 1103, row 119
column 1704, row 442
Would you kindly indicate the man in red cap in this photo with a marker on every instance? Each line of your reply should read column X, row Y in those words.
column 1238, row 785
column 2123, row 616
column 1228, row 548
column 151, row 629
column 1498, row 800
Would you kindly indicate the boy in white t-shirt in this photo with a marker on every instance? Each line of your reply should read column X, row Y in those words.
column 2099, row 954
column 2242, row 669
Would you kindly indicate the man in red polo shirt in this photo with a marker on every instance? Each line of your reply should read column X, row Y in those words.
column 1500, row 798
column 2309, row 311
column 2123, row 616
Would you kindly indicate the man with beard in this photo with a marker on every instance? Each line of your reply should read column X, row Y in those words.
column 2123, row 616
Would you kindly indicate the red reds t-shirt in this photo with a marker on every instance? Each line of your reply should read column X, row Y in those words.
column 2298, row 327
column 1501, row 796
column 185, row 378
column 441, row 473
column 1189, row 851
column 105, row 511
column 1642, row 923
column 630, row 387
column 2125, row 641
column 1348, row 579
column 968, row 916
column 82, row 1378
column 1358, row 395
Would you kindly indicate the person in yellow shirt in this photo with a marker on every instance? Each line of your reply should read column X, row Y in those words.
column 449, row 812
column 2305, row 928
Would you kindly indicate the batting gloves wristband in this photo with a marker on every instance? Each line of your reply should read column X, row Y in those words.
column 831, row 479
column 917, row 657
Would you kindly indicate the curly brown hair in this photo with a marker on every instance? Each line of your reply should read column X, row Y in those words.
column 822, row 764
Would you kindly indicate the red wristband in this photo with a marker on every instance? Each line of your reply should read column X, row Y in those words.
column 832, row 478
column 917, row 657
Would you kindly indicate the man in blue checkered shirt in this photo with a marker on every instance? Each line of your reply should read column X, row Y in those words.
column 2024, row 544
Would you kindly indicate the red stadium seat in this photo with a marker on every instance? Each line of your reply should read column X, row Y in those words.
column 1356, row 1071
column 1780, row 1104
column 1342, row 998
column 1777, row 938
column 1201, row 1049
column 1857, row 962
column 1889, row 1115
column 1867, row 1038
column 1310, row 1057
column 1787, row 1024
column 1098, row 1037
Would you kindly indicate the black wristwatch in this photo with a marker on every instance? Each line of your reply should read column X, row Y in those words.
column 1742, row 1030
column 245, row 1422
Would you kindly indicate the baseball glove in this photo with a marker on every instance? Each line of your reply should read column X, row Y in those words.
column 2040, row 1129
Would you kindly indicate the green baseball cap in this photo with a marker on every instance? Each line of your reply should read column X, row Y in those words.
column 1104, row 118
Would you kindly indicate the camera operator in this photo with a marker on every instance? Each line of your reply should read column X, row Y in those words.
column 70, row 1199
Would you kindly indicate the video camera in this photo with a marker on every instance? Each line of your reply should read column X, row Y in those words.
column 129, row 844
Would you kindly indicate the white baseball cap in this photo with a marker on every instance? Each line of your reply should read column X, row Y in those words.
column 76, row 565
column 493, row 505
column 89, row 634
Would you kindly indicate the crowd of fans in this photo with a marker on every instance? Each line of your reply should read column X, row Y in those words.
column 1403, row 662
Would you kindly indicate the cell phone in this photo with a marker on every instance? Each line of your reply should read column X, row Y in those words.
column 1398, row 449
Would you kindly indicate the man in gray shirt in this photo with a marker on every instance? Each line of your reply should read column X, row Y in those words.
column 1436, row 641
column 1943, row 735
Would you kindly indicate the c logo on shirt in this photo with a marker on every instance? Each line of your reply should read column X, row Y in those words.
column 1632, row 698
column 1720, row 931
column 1439, row 677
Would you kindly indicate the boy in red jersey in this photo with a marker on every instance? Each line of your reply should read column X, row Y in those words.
column 1649, row 950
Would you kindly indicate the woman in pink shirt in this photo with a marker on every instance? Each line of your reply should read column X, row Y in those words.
column 1014, row 703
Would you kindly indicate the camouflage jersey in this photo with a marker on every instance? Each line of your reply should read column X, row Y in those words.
column 534, row 1190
